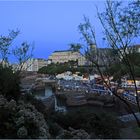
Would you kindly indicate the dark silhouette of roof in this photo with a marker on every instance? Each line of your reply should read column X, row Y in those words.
column 65, row 51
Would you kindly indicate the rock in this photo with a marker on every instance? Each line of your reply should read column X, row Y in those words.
column 39, row 85
column 109, row 105
column 120, row 91
column 92, row 96
column 74, row 102
column 98, row 103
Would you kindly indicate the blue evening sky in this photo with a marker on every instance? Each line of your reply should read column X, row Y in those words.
column 51, row 25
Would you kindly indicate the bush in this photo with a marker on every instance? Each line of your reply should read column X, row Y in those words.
column 54, row 129
column 21, row 120
column 39, row 105
column 53, row 69
column 9, row 83
column 102, row 125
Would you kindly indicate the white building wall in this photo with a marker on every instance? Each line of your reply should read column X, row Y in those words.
column 65, row 56
column 35, row 64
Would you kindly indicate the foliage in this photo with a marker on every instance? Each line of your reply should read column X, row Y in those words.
column 53, row 69
column 119, row 69
column 137, row 71
column 73, row 134
column 137, row 130
column 9, row 79
column 54, row 129
column 20, row 120
column 39, row 105
column 5, row 42
column 120, row 27
column 103, row 125
column 75, row 47
column 9, row 83
column 23, row 54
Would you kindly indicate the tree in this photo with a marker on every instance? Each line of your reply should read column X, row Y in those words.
column 61, row 68
column 9, row 79
column 9, row 83
column 5, row 42
column 23, row 54
column 120, row 27
column 75, row 47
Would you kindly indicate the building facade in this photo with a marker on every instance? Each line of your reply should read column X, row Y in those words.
column 68, row 55
column 35, row 64
column 130, row 50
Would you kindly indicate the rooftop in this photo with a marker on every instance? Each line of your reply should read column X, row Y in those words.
column 65, row 51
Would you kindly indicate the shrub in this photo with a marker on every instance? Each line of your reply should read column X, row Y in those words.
column 9, row 83
column 21, row 120
column 102, row 125
column 39, row 105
